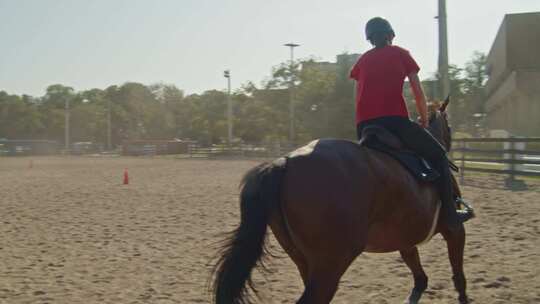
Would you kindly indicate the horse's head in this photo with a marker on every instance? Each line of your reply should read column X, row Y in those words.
column 438, row 123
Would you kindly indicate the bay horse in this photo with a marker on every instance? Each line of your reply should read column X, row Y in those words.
column 328, row 202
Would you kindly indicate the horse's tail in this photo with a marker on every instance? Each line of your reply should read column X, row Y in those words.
column 260, row 193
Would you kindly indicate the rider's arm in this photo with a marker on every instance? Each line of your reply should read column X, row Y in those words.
column 418, row 92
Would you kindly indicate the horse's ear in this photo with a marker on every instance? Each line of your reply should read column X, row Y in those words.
column 445, row 104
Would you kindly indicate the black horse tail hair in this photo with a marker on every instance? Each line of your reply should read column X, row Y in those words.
column 246, row 246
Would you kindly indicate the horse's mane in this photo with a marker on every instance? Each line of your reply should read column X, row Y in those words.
column 435, row 125
column 433, row 107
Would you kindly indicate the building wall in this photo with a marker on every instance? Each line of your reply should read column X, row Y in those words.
column 498, row 96
column 513, row 88
column 517, row 115
column 529, row 80
column 324, row 66
column 347, row 59
column 523, row 41
column 528, row 116
column 496, row 59
column 516, row 47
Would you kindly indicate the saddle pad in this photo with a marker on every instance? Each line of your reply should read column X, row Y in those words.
column 416, row 165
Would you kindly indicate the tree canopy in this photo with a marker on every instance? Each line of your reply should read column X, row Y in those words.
column 323, row 100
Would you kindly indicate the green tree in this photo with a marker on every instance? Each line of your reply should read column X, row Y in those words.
column 52, row 106
column 474, row 89
column 88, row 123
column 250, row 117
column 208, row 123
column 342, row 112
column 175, row 111
column 19, row 117
column 315, row 96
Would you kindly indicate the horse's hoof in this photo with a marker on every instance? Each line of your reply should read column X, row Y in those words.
column 464, row 300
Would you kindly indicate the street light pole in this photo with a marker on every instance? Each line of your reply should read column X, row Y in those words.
column 291, row 92
column 227, row 74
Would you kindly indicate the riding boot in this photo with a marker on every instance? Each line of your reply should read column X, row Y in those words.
column 448, row 208
column 464, row 210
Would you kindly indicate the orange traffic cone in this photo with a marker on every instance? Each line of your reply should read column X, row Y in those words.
column 126, row 177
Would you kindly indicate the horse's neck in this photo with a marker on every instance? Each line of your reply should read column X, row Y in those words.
column 437, row 134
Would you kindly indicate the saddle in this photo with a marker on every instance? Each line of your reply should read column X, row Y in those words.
column 382, row 140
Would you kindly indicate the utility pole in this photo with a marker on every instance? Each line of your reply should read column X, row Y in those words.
column 443, row 51
column 66, row 124
column 291, row 92
column 227, row 74
column 109, row 127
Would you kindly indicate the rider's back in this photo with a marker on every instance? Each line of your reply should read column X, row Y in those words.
column 380, row 74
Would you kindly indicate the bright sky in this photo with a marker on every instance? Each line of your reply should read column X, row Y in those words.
column 88, row 44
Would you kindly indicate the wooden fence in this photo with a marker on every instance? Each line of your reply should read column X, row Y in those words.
column 509, row 156
column 28, row 147
column 224, row 151
column 154, row 147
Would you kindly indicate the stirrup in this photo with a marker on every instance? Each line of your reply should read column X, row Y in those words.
column 465, row 211
column 460, row 203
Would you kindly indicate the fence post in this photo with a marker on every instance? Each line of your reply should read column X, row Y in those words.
column 462, row 171
column 511, row 182
column 512, row 158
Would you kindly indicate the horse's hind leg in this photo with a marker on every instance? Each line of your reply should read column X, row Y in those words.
column 279, row 228
column 412, row 259
column 456, row 245
column 323, row 281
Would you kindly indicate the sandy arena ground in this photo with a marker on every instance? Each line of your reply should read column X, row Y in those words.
column 70, row 232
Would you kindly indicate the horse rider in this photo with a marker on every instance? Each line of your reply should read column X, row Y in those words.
column 380, row 74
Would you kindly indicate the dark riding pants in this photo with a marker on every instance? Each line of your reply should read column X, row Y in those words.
column 419, row 140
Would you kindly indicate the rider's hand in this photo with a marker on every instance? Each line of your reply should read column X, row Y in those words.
column 422, row 122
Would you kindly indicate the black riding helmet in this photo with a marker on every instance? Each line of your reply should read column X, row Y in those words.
column 378, row 25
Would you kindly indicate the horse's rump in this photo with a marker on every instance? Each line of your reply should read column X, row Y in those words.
column 337, row 188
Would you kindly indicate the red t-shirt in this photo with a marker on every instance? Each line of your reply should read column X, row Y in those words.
column 380, row 74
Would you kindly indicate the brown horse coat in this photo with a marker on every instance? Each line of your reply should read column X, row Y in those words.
column 372, row 208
